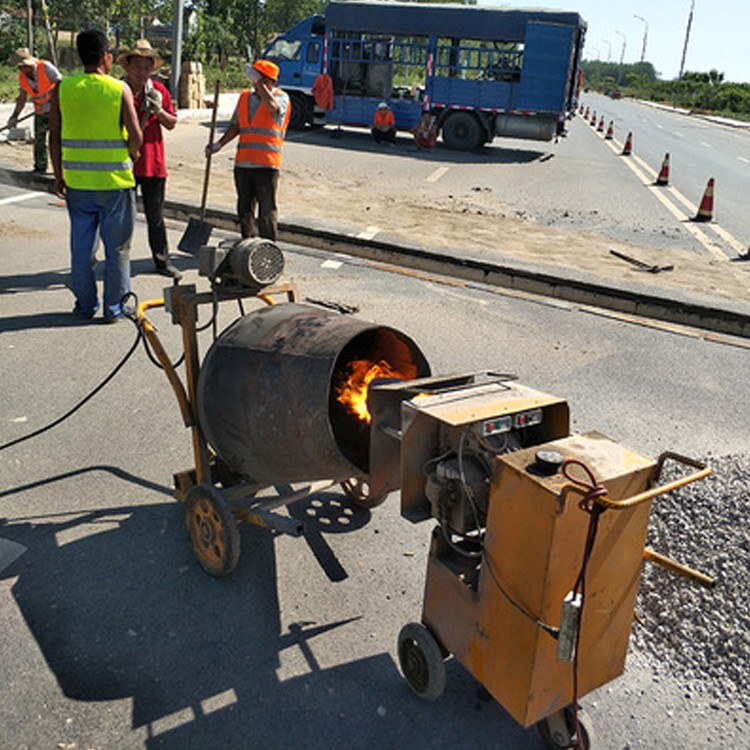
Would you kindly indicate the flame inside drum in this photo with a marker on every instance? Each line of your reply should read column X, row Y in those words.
column 352, row 391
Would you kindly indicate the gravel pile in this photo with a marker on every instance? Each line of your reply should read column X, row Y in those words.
column 699, row 635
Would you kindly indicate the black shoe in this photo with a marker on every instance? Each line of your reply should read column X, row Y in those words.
column 169, row 270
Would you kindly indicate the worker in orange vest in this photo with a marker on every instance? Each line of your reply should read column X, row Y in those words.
column 384, row 125
column 36, row 80
column 260, row 119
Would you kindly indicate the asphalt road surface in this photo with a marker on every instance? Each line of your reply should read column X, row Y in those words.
column 114, row 638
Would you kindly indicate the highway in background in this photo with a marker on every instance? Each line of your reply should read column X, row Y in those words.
column 699, row 149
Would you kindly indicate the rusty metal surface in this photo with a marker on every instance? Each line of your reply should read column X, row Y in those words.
column 264, row 392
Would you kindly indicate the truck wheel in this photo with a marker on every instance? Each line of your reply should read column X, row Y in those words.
column 462, row 131
column 301, row 111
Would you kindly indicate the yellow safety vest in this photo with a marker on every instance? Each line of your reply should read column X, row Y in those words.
column 94, row 146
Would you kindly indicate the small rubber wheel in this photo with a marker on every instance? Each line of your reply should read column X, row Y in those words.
column 559, row 731
column 212, row 529
column 421, row 661
column 357, row 489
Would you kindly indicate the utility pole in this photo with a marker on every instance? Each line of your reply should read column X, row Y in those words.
column 30, row 25
column 174, row 77
column 645, row 35
column 684, row 53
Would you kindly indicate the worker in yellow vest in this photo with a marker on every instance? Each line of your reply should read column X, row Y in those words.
column 94, row 140
column 36, row 81
column 260, row 119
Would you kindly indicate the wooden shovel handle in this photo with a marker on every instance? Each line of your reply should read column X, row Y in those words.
column 210, row 142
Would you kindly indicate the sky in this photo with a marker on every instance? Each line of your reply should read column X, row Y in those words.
column 718, row 33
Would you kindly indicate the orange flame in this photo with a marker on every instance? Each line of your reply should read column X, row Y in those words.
column 352, row 392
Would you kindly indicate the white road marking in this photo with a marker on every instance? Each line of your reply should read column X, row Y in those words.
column 742, row 158
column 707, row 145
column 368, row 233
column 22, row 197
column 437, row 174
column 331, row 264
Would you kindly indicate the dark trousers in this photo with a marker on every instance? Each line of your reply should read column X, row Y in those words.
column 384, row 136
column 256, row 188
column 152, row 192
column 41, row 128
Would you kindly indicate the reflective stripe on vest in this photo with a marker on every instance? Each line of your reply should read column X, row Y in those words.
column 94, row 148
column 261, row 138
column 41, row 97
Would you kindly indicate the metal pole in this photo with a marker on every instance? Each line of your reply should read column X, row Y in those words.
column 609, row 49
column 622, row 55
column 174, row 78
column 684, row 53
column 645, row 35
column 29, row 25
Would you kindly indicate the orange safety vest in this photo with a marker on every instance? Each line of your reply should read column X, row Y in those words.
column 262, row 137
column 384, row 117
column 42, row 96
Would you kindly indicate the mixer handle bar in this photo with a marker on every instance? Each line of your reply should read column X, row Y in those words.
column 702, row 472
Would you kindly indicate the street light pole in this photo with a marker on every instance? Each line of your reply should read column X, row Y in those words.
column 609, row 49
column 684, row 53
column 645, row 35
column 622, row 54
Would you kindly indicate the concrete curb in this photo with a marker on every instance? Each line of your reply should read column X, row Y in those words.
column 680, row 307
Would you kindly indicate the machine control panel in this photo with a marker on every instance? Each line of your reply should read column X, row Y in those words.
column 519, row 421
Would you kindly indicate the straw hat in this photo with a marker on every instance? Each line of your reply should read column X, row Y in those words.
column 22, row 57
column 142, row 48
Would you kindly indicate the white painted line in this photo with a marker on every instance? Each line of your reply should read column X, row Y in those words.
column 707, row 145
column 17, row 198
column 677, row 133
column 437, row 174
column 368, row 233
column 331, row 264
column 742, row 158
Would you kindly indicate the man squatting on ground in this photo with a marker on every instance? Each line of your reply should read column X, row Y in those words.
column 36, row 79
column 154, row 107
column 92, row 157
column 260, row 119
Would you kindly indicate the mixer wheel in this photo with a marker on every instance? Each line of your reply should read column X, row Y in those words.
column 421, row 661
column 357, row 489
column 212, row 529
column 559, row 731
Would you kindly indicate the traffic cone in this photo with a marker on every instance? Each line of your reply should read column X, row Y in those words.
column 628, row 148
column 593, row 119
column 588, row 111
column 663, row 178
column 706, row 208
column 610, row 131
column 600, row 126
column 580, row 110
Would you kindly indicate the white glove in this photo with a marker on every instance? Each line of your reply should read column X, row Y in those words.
column 213, row 148
column 154, row 101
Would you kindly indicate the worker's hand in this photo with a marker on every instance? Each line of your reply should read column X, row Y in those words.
column 12, row 121
column 213, row 148
column 154, row 101
column 59, row 187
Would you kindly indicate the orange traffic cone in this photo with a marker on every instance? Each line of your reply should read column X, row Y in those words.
column 706, row 208
column 610, row 131
column 593, row 119
column 663, row 178
column 588, row 111
column 628, row 148
column 600, row 126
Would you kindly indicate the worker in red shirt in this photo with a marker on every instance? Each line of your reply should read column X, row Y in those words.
column 36, row 81
column 384, row 125
column 155, row 111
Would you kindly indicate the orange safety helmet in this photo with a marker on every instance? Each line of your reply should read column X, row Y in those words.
column 267, row 68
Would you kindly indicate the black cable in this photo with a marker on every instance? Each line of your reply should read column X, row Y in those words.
column 81, row 403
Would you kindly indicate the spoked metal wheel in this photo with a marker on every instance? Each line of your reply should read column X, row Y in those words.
column 559, row 730
column 357, row 489
column 421, row 661
column 212, row 529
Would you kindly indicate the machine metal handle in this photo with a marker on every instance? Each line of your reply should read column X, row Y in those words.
column 681, row 570
column 642, row 497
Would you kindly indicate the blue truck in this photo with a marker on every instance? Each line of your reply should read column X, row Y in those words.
column 481, row 71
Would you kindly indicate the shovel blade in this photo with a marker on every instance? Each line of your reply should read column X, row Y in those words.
column 196, row 235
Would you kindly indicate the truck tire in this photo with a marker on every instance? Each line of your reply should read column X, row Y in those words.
column 462, row 131
column 301, row 111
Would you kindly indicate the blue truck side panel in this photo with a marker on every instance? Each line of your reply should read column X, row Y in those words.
column 544, row 79
column 475, row 94
column 360, row 110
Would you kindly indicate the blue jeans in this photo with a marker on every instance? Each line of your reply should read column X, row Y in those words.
column 111, row 215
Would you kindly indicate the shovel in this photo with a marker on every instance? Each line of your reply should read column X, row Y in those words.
column 198, row 230
column 20, row 119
